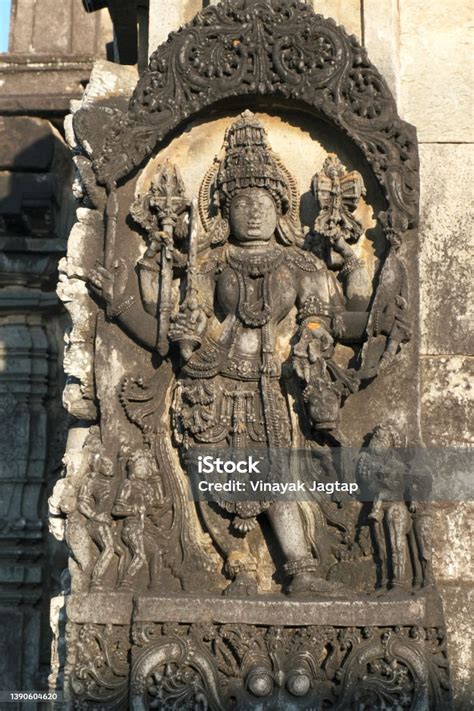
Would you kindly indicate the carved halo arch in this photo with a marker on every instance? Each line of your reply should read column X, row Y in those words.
column 240, row 49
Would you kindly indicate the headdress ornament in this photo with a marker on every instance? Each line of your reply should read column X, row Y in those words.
column 247, row 161
column 250, row 163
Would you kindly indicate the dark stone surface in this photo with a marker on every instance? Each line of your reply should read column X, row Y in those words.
column 26, row 144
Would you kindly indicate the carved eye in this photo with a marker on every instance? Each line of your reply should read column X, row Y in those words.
column 298, row 683
column 260, row 683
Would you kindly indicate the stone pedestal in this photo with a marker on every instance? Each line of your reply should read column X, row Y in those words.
column 152, row 650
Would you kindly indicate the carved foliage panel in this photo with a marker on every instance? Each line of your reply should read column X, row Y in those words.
column 278, row 48
column 245, row 666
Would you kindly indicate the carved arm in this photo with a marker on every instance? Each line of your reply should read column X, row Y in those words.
column 86, row 505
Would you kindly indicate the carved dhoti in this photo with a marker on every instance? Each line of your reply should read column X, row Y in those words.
column 223, row 413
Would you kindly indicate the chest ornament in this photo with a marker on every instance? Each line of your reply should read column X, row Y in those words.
column 257, row 313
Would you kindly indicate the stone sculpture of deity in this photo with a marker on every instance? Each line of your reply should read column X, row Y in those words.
column 253, row 338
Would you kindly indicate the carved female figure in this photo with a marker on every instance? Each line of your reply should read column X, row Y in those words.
column 139, row 503
column 258, row 324
column 385, row 476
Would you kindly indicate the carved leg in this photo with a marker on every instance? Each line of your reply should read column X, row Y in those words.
column 153, row 557
column 301, row 567
column 132, row 535
column 101, row 534
column 240, row 565
column 80, row 551
column 422, row 530
column 399, row 522
column 380, row 542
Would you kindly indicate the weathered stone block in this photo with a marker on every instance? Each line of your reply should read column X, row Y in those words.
column 346, row 13
column 458, row 605
column 446, row 401
column 381, row 37
column 25, row 143
column 46, row 28
column 192, row 7
column 446, row 249
column 436, row 69
column 452, row 550
column 164, row 18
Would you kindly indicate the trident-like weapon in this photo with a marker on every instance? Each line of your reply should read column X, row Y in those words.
column 157, row 212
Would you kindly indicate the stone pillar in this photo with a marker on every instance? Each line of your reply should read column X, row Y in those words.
column 32, row 423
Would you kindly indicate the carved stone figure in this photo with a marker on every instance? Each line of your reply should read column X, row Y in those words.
column 139, row 503
column 95, row 503
column 336, row 227
column 240, row 290
column 419, row 492
column 422, row 518
column 245, row 305
column 385, row 477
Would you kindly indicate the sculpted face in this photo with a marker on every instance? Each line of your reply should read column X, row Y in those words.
column 141, row 469
column 382, row 439
column 253, row 216
column 104, row 466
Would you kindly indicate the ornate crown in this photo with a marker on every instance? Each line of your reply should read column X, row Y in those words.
column 250, row 163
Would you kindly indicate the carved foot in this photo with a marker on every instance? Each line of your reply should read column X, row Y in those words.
column 98, row 588
column 125, row 587
column 398, row 591
column 243, row 585
column 308, row 585
column 394, row 592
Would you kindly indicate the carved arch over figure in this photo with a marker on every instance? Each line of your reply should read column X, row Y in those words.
column 280, row 49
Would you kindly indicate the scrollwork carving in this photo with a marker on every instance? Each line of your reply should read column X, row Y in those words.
column 274, row 47
column 98, row 676
column 247, row 666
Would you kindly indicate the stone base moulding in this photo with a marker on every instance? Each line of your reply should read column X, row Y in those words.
column 186, row 651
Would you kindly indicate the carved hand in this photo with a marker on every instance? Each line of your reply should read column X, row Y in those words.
column 401, row 302
column 109, row 286
column 189, row 323
column 377, row 514
column 315, row 342
column 340, row 246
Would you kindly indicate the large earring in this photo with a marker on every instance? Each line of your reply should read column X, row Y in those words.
column 219, row 230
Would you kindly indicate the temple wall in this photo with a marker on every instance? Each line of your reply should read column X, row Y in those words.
column 423, row 51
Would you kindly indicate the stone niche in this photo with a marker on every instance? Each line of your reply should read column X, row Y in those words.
column 243, row 273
